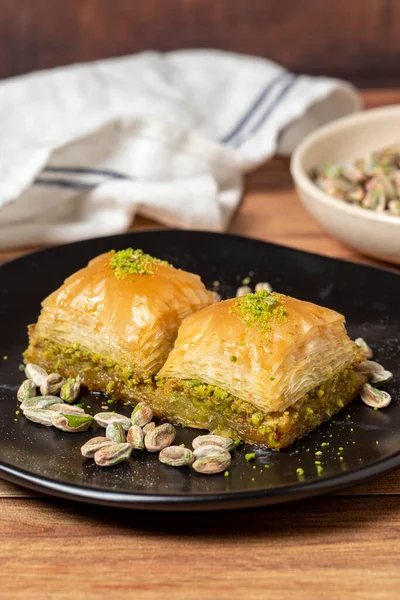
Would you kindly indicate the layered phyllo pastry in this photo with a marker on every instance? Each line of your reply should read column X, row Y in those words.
column 114, row 322
column 264, row 368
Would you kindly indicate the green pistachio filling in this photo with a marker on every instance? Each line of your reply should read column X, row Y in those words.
column 197, row 404
column 133, row 262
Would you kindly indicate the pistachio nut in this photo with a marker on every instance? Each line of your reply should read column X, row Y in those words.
column 373, row 397
column 67, row 408
column 243, row 291
column 105, row 418
column 36, row 373
column 71, row 423
column 381, row 377
column 149, row 427
column 203, row 451
column 70, row 389
column 361, row 343
column 116, row 433
column 26, row 390
column 142, row 414
column 369, row 367
column 216, row 296
column 176, row 456
column 39, row 402
column 263, row 285
column 209, row 465
column 161, row 437
column 213, row 440
column 89, row 449
column 51, row 385
column 394, row 207
column 135, row 437
column 39, row 415
column 112, row 454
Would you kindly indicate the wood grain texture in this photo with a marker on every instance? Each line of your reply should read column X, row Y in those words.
column 343, row 546
column 357, row 39
column 320, row 549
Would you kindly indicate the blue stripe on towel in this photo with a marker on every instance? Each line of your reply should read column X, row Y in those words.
column 65, row 183
column 268, row 111
column 256, row 104
column 87, row 171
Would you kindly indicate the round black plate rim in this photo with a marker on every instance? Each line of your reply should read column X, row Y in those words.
column 386, row 268
column 204, row 501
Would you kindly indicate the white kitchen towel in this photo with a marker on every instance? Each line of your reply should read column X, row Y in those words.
column 85, row 148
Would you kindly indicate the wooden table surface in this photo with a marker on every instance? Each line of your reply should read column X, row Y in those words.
column 342, row 546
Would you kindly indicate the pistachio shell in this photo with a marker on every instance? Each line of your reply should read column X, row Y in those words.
column 89, row 449
column 39, row 415
column 36, row 373
column 373, row 397
column 105, row 418
column 135, row 437
column 209, row 465
column 26, row 390
column 71, row 423
column 161, row 437
column 112, row 454
column 116, row 433
column 51, row 385
column 39, row 402
column 141, row 414
column 176, row 456
column 213, row 440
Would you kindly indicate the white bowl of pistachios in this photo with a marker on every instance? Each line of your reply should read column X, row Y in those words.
column 347, row 174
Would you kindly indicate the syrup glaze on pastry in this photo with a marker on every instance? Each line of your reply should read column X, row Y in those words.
column 264, row 368
column 117, row 317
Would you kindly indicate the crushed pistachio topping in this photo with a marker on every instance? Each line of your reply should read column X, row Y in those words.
column 133, row 262
column 300, row 471
column 250, row 456
column 233, row 358
column 260, row 309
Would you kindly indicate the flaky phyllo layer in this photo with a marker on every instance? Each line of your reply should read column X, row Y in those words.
column 125, row 307
column 267, row 368
column 270, row 356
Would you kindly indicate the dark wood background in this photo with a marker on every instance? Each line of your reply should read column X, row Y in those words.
column 356, row 39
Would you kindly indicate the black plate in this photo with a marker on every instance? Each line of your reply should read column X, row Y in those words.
column 361, row 442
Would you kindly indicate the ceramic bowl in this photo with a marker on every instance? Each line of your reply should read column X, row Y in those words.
column 345, row 140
